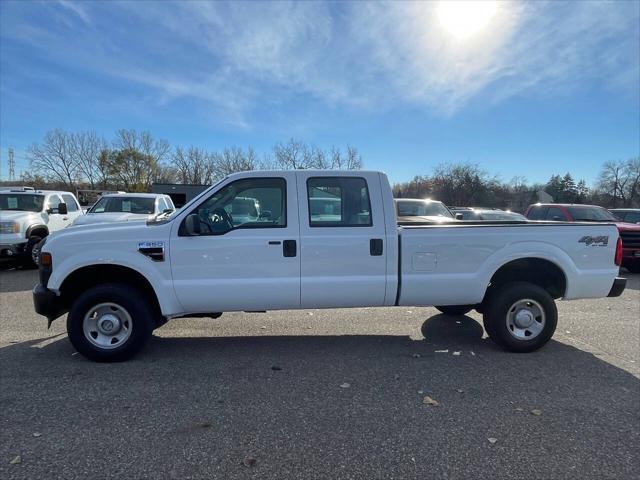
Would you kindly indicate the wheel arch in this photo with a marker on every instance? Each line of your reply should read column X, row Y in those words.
column 539, row 271
column 40, row 230
column 83, row 278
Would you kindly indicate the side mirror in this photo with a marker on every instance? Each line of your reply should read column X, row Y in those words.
column 459, row 216
column 266, row 214
column 62, row 208
column 192, row 225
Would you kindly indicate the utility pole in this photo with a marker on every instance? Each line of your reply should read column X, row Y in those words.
column 12, row 166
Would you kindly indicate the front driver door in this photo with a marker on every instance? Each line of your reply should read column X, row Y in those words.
column 246, row 256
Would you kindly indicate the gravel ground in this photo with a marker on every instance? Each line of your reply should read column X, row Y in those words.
column 323, row 394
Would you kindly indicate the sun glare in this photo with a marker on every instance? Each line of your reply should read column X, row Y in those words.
column 464, row 18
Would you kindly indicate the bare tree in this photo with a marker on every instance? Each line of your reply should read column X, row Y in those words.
column 296, row 155
column 143, row 142
column 194, row 165
column 55, row 158
column 87, row 147
column 613, row 180
column 234, row 159
column 352, row 160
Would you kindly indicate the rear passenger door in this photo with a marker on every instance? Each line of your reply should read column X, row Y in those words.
column 342, row 235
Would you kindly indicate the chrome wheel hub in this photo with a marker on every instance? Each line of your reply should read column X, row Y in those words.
column 525, row 319
column 107, row 325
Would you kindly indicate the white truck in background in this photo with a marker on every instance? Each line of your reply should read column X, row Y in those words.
column 28, row 215
column 120, row 281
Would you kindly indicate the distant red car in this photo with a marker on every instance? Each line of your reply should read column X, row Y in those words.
column 569, row 212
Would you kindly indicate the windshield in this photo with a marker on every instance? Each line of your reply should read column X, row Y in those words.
column 424, row 208
column 591, row 214
column 21, row 202
column 119, row 204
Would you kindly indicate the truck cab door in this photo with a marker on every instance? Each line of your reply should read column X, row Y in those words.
column 342, row 239
column 244, row 254
column 56, row 221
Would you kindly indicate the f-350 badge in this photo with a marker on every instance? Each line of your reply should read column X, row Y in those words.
column 599, row 241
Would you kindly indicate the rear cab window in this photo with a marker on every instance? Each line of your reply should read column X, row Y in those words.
column 338, row 202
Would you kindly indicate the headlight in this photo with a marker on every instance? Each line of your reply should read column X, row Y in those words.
column 9, row 227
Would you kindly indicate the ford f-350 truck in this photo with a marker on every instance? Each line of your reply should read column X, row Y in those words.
column 321, row 239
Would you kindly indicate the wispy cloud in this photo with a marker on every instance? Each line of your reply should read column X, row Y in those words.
column 77, row 8
column 361, row 55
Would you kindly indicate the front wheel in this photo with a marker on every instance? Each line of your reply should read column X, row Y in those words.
column 455, row 310
column 520, row 316
column 110, row 323
column 33, row 249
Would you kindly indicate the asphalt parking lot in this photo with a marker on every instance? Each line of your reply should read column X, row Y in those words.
column 323, row 394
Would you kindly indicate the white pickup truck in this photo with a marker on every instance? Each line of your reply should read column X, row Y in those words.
column 322, row 239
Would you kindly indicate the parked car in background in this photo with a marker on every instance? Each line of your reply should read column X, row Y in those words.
column 628, row 215
column 126, row 207
column 562, row 212
column 423, row 210
column 28, row 215
column 489, row 214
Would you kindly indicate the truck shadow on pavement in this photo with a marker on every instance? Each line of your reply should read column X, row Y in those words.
column 320, row 407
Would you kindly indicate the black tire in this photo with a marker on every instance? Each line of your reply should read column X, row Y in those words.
column 455, row 310
column 134, row 303
column 32, row 243
column 502, row 303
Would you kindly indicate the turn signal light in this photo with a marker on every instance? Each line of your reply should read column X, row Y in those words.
column 45, row 259
column 618, row 258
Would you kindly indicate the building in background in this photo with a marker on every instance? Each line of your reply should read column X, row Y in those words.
column 179, row 193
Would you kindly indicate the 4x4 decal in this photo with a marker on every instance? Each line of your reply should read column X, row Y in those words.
column 599, row 241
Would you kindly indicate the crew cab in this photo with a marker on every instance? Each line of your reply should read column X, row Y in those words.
column 28, row 215
column 569, row 212
column 119, row 281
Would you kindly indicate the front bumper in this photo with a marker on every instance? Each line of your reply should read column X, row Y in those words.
column 47, row 303
column 12, row 249
column 618, row 287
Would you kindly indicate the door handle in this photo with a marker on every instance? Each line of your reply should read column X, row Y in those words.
column 274, row 242
column 289, row 248
column 65, row 218
column 375, row 247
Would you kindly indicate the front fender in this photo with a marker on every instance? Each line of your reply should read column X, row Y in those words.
column 157, row 273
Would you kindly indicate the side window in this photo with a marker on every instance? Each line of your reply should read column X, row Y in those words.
column 246, row 203
column 537, row 213
column 72, row 206
column 632, row 217
column 555, row 214
column 338, row 202
column 169, row 202
column 54, row 201
column 162, row 204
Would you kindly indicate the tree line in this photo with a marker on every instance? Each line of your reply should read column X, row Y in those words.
column 618, row 185
column 133, row 160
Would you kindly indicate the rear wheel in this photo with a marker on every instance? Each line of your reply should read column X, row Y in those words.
column 455, row 310
column 110, row 323
column 520, row 316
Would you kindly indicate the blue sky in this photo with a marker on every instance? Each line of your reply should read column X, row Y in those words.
column 520, row 88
